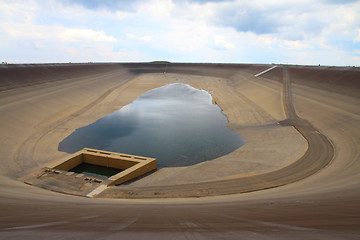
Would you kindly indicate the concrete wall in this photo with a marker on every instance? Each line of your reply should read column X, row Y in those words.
column 70, row 163
column 133, row 172
column 108, row 162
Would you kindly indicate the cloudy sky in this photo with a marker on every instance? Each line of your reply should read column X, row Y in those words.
column 239, row 31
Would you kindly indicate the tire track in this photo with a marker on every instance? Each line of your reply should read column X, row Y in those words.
column 27, row 147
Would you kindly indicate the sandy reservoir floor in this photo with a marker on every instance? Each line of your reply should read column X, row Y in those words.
column 282, row 114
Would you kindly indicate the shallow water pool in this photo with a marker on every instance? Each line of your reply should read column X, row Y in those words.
column 176, row 123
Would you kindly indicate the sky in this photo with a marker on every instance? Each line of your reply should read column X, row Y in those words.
column 310, row 32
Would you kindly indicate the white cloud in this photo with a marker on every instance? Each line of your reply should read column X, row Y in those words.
column 156, row 9
column 296, row 44
column 145, row 38
column 220, row 40
column 88, row 35
column 357, row 39
column 122, row 15
column 266, row 40
column 32, row 31
column 98, row 52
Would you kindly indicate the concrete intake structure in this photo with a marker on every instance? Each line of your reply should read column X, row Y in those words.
column 132, row 166
column 59, row 177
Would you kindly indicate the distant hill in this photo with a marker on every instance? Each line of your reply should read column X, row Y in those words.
column 160, row 62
